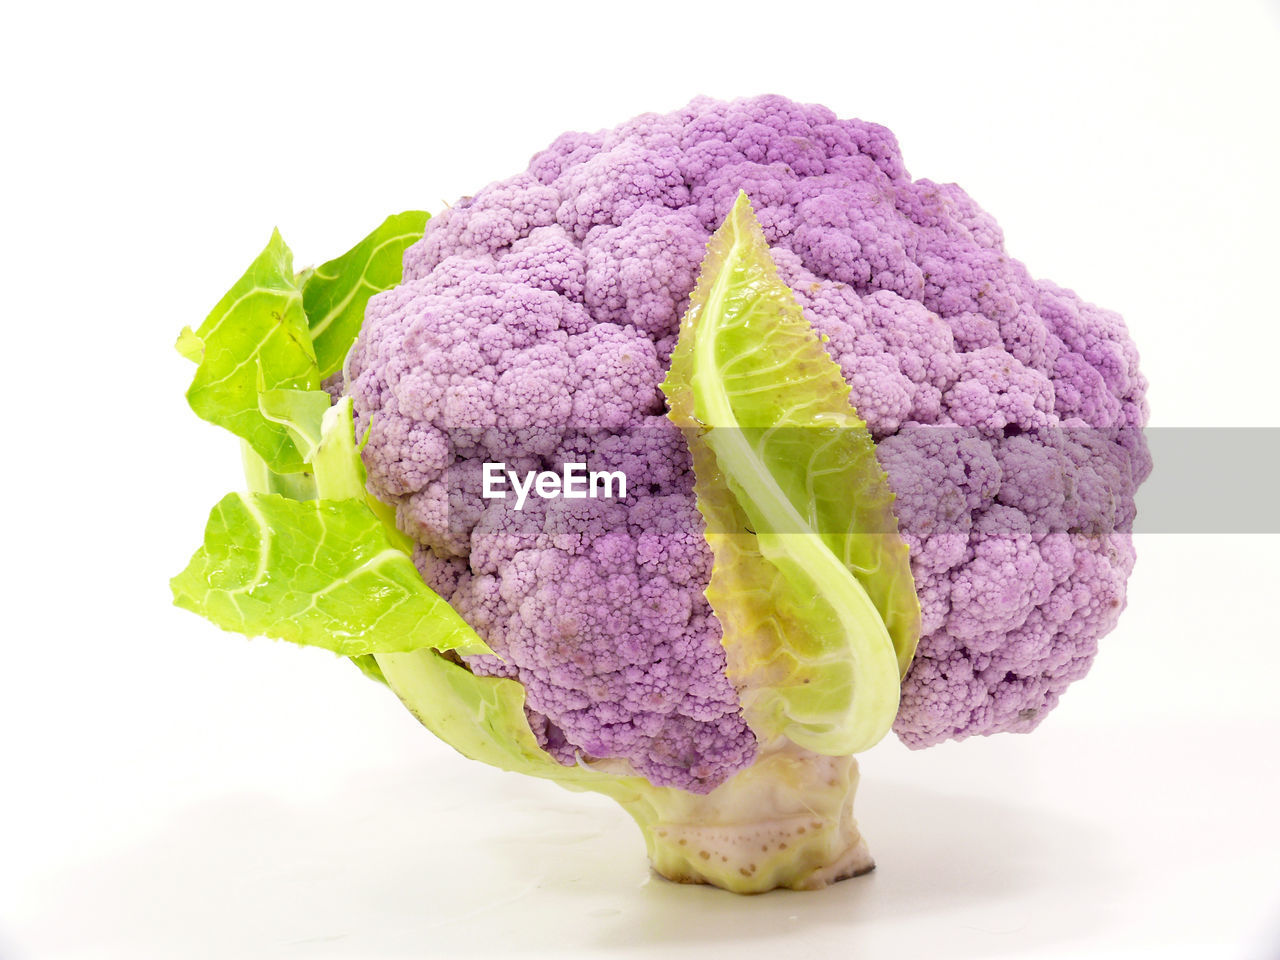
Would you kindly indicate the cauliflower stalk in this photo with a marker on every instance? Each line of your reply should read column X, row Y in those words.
column 877, row 477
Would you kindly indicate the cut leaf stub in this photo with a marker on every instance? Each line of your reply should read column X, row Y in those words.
column 811, row 581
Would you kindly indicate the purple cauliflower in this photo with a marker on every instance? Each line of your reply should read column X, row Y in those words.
column 535, row 322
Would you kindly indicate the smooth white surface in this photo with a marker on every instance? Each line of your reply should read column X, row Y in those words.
column 172, row 791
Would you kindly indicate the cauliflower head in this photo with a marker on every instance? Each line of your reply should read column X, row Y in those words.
column 534, row 324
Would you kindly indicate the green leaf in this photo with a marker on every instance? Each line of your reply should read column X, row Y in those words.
column 335, row 293
column 811, row 581
column 321, row 573
column 301, row 412
column 484, row 719
column 481, row 717
column 368, row 665
column 256, row 335
column 300, row 485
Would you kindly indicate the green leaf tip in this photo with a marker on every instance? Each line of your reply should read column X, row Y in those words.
column 811, row 581
column 189, row 345
column 335, row 293
column 254, row 338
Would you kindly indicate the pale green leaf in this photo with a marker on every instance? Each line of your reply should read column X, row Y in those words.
column 811, row 581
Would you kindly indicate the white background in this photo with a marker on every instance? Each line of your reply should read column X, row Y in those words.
column 172, row 791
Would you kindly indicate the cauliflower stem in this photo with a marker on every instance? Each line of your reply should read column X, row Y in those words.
column 785, row 821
